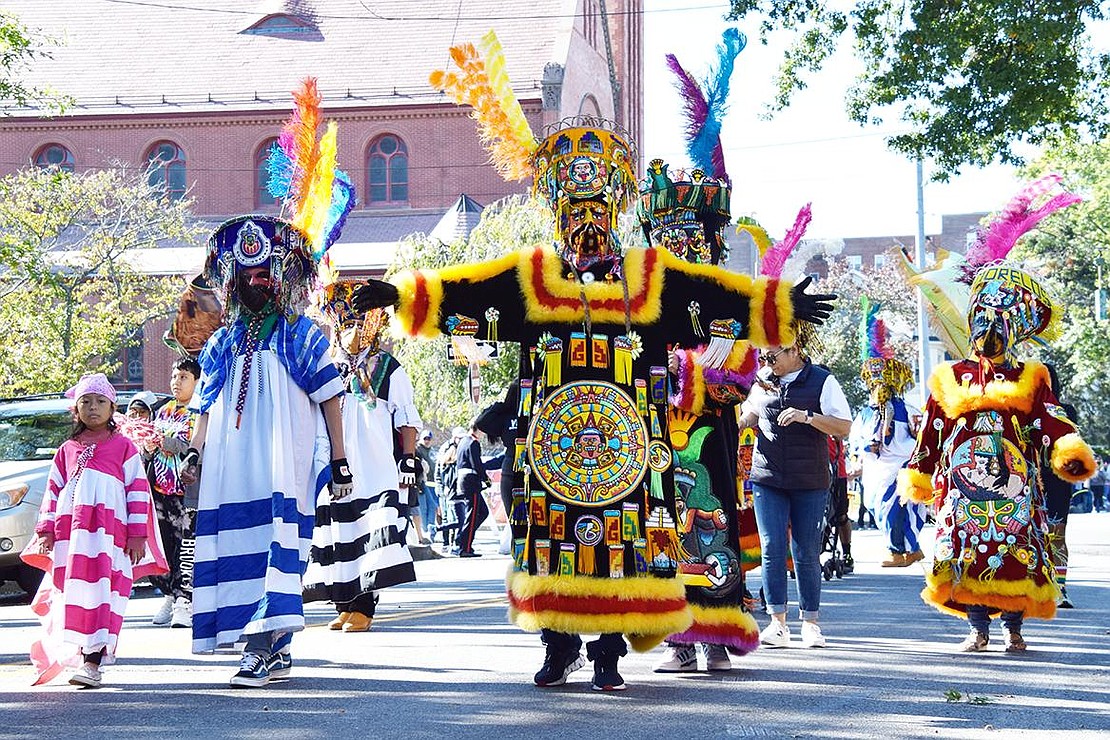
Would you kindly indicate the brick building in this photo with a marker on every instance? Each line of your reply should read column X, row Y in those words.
column 201, row 90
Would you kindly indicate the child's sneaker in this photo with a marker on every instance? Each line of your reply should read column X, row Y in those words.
column 975, row 641
column 88, row 675
column 811, row 635
column 775, row 635
column 164, row 613
column 716, row 658
column 182, row 614
column 682, row 659
column 253, row 672
column 280, row 665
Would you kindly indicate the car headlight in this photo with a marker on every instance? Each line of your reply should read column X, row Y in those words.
column 12, row 496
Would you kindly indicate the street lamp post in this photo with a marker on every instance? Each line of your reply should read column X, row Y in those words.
column 924, row 360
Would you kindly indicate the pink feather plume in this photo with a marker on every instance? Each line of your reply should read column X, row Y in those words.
column 1016, row 219
column 775, row 259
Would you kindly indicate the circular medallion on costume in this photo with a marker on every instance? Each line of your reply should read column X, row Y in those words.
column 588, row 530
column 251, row 248
column 587, row 444
column 659, row 456
column 582, row 170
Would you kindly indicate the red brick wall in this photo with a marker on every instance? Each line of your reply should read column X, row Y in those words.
column 445, row 156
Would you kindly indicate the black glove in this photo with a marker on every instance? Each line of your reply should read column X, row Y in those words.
column 374, row 294
column 341, row 478
column 811, row 307
column 406, row 470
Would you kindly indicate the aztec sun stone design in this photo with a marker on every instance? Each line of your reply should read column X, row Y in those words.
column 587, row 444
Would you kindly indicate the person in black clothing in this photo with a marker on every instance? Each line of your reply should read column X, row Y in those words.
column 1058, row 497
column 498, row 421
column 470, row 505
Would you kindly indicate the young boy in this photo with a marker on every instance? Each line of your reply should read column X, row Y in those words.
column 174, row 501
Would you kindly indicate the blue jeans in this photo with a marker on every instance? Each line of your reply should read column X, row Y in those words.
column 804, row 511
column 980, row 620
column 429, row 502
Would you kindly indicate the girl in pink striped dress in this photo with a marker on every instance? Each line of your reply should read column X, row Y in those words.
column 95, row 536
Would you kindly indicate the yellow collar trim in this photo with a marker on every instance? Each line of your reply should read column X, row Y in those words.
column 957, row 398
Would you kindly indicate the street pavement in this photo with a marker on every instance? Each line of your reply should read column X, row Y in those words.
column 442, row 662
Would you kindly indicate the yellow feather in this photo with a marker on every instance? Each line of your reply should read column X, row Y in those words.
column 312, row 216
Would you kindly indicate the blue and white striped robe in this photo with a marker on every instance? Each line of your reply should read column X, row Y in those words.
column 902, row 522
column 259, row 482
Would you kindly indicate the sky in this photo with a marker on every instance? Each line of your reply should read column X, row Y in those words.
column 811, row 152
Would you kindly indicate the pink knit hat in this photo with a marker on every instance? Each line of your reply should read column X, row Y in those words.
column 92, row 383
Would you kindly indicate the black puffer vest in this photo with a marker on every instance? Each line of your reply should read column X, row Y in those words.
column 794, row 457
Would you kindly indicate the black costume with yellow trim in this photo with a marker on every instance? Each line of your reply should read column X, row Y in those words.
column 593, row 513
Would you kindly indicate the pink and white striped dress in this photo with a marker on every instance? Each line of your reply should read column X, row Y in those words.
column 96, row 497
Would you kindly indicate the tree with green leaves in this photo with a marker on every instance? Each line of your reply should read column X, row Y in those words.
column 440, row 385
column 20, row 46
column 70, row 294
column 970, row 78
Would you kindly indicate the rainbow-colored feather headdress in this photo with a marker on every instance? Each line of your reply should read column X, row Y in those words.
column 878, row 365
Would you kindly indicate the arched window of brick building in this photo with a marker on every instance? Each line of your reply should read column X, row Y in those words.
column 262, row 197
column 166, row 167
column 388, row 167
column 54, row 155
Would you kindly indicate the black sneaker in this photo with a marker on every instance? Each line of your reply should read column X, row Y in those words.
column 849, row 565
column 606, row 677
column 557, row 665
column 253, row 672
column 280, row 665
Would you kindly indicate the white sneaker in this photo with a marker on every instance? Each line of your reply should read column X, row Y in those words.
column 811, row 635
column 182, row 613
column 682, row 659
column 88, row 675
column 775, row 635
column 716, row 658
column 162, row 616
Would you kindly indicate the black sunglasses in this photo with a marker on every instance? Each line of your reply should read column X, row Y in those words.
column 769, row 358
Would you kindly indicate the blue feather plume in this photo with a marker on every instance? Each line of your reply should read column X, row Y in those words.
column 717, row 89
column 280, row 167
column 342, row 202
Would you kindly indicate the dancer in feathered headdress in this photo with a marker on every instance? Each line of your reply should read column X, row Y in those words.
column 883, row 436
column 595, row 548
column 684, row 213
column 976, row 461
column 267, row 393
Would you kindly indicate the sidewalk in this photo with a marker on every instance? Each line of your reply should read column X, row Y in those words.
column 441, row 661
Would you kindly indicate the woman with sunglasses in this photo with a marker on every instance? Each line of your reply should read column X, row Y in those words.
column 794, row 408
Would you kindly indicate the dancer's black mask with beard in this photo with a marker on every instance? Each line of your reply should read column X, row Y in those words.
column 256, row 292
column 587, row 240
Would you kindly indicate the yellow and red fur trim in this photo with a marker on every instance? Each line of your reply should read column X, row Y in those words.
column 957, row 398
column 550, row 297
column 647, row 609
column 913, row 485
column 770, row 308
column 1068, row 448
column 421, row 291
column 1035, row 601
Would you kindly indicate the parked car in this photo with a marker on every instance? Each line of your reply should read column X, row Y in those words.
column 31, row 430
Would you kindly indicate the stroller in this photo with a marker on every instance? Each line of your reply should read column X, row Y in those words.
column 833, row 560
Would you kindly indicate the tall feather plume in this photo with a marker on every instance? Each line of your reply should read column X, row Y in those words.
column 776, row 256
column 483, row 85
column 705, row 105
column 1018, row 218
column 695, row 108
column 342, row 203
column 315, row 202
column 298, row 141
column 874, row 335
column 717, row 89
column 748, row 225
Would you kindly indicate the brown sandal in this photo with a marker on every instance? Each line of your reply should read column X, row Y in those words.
column 975, row 642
